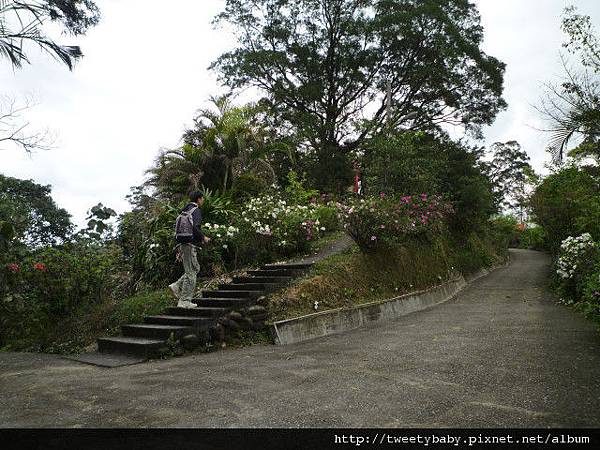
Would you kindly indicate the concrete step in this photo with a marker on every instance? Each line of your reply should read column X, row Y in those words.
column 106, row 359
column 233, row 303
column 264, row 280
column 199, row 323
column 124, row 345
column 230, row 294
column 155, row 331
column 197, row 312
column 292, row 266
column 243, row 287
column 273, row 273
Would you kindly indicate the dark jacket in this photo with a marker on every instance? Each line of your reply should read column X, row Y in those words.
column 197, row 217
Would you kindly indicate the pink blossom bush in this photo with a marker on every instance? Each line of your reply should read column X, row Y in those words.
column 375, row 221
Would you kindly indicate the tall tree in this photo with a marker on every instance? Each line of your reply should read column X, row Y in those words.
column 511, row 174
column 30, row 215
column 324, row 66
column 22, row 21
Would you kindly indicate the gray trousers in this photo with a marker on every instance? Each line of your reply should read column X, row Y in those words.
column 187, row 283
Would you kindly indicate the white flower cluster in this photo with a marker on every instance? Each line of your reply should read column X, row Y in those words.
column 264, row 213
column 573, row 252
column 220, row 231
column 265, row 230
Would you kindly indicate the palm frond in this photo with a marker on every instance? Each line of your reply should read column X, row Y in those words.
column 28, row 17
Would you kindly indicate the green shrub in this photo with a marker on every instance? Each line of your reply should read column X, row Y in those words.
column 328, row 217
column 52, row 284
column 567, row 203
column 476, row 251
column 385, row 220
column 296, row 192
column 590, row 301
column 247, row 186
column 505, row 230
column 532, row 238
column 217, row 207
column 133, row 309
column 415, row 162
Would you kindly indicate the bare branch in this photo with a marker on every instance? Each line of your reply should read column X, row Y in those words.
column 16, row 131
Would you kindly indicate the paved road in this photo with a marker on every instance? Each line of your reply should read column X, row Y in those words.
column 502, row 353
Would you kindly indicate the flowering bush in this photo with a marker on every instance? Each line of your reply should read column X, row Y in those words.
column 576, row 261
column 47, row 286
column 385, row 219
column 41, row 267
column 574, row 253
column 288, row 227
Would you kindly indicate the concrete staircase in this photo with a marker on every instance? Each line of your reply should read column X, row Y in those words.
column 140, row 342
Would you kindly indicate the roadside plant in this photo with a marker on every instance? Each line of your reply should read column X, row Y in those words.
column 577, row 258
column 382, row 219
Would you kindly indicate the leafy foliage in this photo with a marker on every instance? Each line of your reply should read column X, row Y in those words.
column 21, row 23
column 247, row 185
column 224, row 144
column 566, row 203
column 377, row 221
column 578, row 273
column 98, row 227
column 403, row 163
column 511, row 174
column 408, row 163
column 53, row 283
column 573, row 108
column 29, row 214
column 533, row 238
column 323, row 65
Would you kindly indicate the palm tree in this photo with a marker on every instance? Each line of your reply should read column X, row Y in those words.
column 21, row 23
column 573, row 108
column 225, row 142
column 573, row 111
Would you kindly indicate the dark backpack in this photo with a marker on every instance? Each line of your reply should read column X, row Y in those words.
column 184, row 226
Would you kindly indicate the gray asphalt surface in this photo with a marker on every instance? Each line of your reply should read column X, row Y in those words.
column 501, row 354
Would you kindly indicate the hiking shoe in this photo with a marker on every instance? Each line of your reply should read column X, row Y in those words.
column 184, row 304
column 175, row 290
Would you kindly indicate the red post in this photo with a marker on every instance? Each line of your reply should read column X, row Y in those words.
column 356, row 177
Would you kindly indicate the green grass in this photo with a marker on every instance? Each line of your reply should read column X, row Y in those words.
column 353, row 278
column 133, row 309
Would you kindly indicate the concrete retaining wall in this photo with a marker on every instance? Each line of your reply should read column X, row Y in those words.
column 339, row 320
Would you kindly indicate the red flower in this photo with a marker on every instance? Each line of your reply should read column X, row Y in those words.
column 41, row 266
column 14, row 268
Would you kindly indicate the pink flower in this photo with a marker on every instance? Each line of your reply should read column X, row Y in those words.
column 40, row 266
column 381, row 194
column 373, row 238
column 14, row 268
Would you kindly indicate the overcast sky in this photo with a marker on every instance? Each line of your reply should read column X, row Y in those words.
column 145, row 74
